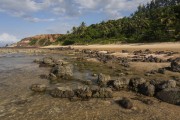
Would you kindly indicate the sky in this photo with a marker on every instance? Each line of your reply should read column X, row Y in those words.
column 24, row 18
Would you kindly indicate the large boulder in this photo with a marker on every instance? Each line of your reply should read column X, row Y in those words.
column 170, row 95
column 136, row 82
column 62, row 92
column 63, row 71
column 38, row 87
column 175, row 66
column 147, row 89
column 121, row 83
column 103, row 79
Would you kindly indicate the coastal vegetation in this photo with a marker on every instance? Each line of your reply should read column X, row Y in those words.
column 157, row 21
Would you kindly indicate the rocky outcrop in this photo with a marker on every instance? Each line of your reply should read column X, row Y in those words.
column 38, row 40
column 81, row 93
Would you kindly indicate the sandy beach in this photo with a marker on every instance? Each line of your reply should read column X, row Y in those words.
column 172, row 46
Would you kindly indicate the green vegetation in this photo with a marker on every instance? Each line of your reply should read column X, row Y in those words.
column 44, row 42
column 33, row 42
column 157, row 21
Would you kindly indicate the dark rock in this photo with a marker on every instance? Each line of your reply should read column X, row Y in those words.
column 38, row 88
column 147, row 89
column 175, row 66
column 170, row 95
column 124, row 51
column 126, row 103
column 161, row 71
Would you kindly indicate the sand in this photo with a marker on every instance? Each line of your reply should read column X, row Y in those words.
column 170, row 46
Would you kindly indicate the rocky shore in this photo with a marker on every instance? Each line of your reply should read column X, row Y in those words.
column 101, row 84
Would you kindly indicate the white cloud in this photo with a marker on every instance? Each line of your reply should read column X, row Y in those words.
column 6, row 38
column 66, row 8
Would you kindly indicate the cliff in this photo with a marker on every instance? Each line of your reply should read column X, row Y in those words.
column 38, row 40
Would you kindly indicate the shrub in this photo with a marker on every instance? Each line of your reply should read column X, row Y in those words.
column 68, row 42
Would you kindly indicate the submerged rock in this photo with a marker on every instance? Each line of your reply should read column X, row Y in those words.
column 170, row 95
column 38, row 87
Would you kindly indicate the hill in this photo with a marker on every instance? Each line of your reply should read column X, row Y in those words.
column 38, row 40
column 157, row 21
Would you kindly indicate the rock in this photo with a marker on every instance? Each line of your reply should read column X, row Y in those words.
column 175, row 66
column 121, row 83
column 38, row 88
column 147, row 89
column 101, row 92
column 52, row 77
column 105, row 93
column 124, row 51
column 170, row 95
column 126, row 103
column 161, row 71
column 37, row 61
column 166, row 84
column 48, row 61
column 103, row 79
column 60, row 62
column 64, row 72
column 136, row 82
column 88, row 82
column 62, row 92
column 84, row 92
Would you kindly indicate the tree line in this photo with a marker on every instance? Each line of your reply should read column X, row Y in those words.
column 157, row 21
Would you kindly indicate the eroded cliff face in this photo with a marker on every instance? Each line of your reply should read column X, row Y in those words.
column 38, row 40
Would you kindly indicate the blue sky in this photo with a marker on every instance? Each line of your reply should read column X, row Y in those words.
column 23, row 18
